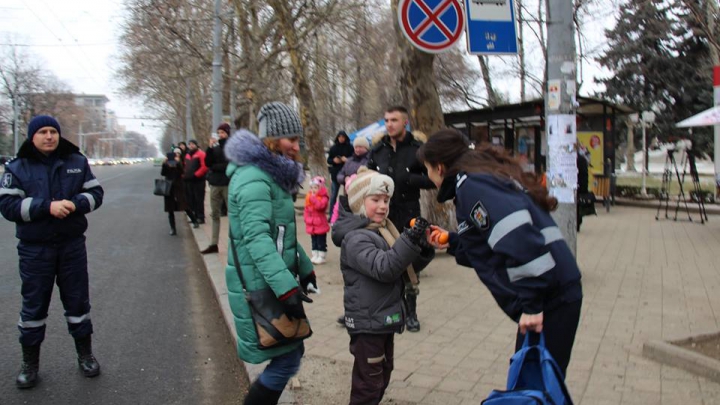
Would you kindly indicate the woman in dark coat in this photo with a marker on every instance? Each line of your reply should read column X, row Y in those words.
column 172, row 169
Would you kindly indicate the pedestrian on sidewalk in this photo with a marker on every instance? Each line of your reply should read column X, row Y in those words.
column 172, row 169
column 217, row 179
column 47, row 191
column 394, row 156
column 505, row 232
column 361, row 146
column 316, row 222
column 194, row 178
column 265, row 175
column 337, row 156
column 183, row 150
column 374, row 256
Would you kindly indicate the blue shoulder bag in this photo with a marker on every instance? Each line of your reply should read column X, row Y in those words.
column 534, row 378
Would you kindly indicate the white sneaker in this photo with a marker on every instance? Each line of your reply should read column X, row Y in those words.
column 321, row 258
column 314, row 257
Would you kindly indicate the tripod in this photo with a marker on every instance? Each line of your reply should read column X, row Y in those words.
column 696, row 185
column 667, row 179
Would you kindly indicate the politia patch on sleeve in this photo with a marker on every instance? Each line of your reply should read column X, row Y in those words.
column 7, row 180
column 479, row 216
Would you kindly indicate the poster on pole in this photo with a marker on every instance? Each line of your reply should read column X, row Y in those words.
column 562, row 157
column 554, row 94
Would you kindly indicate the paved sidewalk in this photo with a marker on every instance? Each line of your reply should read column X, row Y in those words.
column 643, row 279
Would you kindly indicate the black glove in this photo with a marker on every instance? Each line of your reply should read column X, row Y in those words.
column 309, row 279
column 417, row 234
column 292, row 302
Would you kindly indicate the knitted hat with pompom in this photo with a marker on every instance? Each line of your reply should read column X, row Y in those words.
column 368, row 182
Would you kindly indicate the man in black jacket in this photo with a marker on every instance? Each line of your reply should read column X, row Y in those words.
column 337, row 155
column 395, row 157
column 217, row 163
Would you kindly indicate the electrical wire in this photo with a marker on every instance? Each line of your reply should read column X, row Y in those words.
column 82, row 66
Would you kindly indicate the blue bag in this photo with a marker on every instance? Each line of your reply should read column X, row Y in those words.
column 533, row 378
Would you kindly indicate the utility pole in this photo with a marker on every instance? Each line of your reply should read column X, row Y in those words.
column 231, row 67
column 712, row 12
column 80, row 137
column 217, row 68
column 16, row 124
column 188, row 111
column 560, row 105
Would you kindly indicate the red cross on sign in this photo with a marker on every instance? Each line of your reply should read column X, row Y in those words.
column 431, row 25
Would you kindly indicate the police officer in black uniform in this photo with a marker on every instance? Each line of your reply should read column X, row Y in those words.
column 47, row 191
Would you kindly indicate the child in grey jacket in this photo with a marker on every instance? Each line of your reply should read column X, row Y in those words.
column 374, row 259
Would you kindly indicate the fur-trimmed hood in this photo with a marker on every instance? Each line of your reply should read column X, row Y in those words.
column 245, row 148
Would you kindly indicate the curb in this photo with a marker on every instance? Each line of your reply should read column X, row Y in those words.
column 667, row 352
column 710, row 209
column 216, row 274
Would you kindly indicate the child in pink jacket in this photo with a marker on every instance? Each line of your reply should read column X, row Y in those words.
column 316, row 223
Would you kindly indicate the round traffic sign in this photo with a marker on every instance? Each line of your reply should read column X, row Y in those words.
column 431, row 25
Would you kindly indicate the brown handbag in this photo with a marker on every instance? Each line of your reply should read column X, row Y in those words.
column 273, row 327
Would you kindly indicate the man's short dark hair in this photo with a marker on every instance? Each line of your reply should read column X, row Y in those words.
column 397, row 108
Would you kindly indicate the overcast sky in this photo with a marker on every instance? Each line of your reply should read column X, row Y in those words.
column 76, row 40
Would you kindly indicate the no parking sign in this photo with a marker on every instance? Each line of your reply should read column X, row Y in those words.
column 431, row 25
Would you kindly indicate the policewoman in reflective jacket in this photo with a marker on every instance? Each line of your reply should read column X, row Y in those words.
column 506, row 234
column 264, row 179
column 47, row 191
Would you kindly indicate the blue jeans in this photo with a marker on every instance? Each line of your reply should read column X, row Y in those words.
column 281, row 369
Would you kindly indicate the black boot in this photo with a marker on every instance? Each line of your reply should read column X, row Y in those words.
column 28, row 376
column 261, row 395
column 86, row 361
column 412, row 323
column 171, row 218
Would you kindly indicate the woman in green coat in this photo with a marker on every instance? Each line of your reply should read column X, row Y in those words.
column 264, row 177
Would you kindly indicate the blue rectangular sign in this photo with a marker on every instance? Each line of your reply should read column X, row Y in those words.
column 490, row 26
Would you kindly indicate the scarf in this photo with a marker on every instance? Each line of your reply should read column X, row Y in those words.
column 388, row 231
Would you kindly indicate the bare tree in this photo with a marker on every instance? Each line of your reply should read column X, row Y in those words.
column 20, row 74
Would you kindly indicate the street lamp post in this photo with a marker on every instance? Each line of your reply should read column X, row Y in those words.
column 645, row 119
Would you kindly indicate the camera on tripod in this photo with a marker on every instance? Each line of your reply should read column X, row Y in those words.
column 688, row 158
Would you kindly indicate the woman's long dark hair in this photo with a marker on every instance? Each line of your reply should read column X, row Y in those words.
column 453, row 150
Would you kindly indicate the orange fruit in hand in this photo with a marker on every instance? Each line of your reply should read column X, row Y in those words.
column 443, row 238
column 439, row 237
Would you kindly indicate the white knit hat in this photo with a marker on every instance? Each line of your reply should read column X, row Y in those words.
column 361, row 141
column 277, row 120
column 368, row 182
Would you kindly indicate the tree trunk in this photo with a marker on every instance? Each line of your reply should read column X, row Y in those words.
column 417, row 84
column 308, row 113
column 630, row 151
column 485, row 69
column 712, row 13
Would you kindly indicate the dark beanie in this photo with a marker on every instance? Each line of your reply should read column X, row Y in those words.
column 225, row 127
column 42, row 121
column 193, row 141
